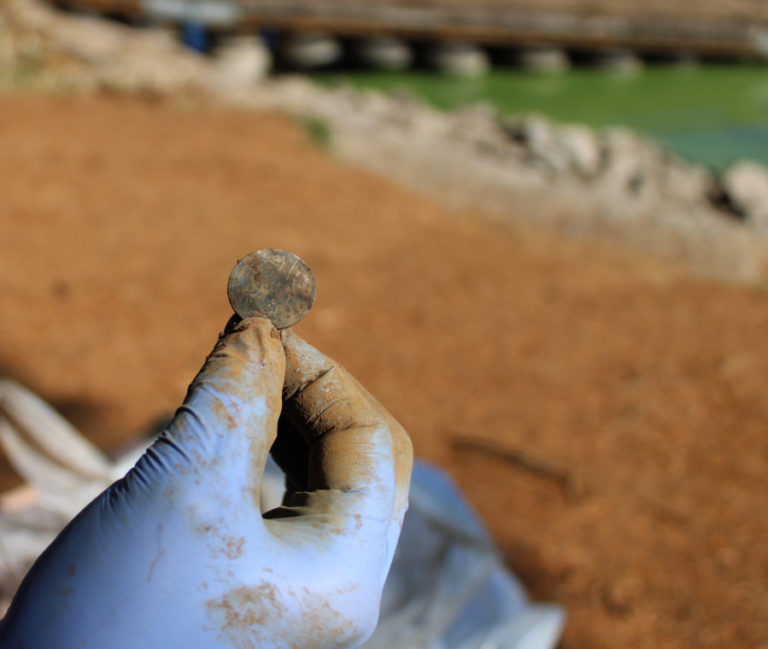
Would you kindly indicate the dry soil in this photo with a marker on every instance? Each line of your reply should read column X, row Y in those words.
column 605, row 414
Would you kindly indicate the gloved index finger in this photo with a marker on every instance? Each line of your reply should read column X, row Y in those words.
column 229, row 418
column 354, row 445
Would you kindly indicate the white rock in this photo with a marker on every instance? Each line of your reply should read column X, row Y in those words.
column 625, row 167
column 460, row 59
column 621, row 61
column 686, row 183
column 310, row 50
column 89, row 39
column 746, row 185
column 478, row 130
column 538, row 135
column 384, row 53
column 77, row 52
column 543, row 59
column 241, row 61
column 580, row 147
column 32, row 14
column 536, row 132
column 478, row 120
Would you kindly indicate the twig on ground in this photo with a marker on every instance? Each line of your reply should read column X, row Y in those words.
column 521, row 460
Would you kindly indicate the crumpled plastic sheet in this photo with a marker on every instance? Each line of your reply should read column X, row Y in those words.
column 448, row 587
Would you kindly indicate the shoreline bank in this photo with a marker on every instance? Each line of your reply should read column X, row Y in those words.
column 527, row 173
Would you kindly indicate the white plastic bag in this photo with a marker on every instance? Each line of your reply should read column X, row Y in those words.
column 448, row 587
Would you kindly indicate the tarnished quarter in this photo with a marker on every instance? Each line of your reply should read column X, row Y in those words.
column 273, row 283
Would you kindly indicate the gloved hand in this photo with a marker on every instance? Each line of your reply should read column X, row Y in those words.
column 178, row 555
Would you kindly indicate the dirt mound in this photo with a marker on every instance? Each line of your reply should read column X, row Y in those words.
column 605, row 414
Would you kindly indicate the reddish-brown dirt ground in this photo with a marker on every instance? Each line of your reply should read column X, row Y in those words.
column 643, row 390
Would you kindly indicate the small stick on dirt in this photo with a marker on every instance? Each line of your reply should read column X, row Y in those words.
column 520, row 459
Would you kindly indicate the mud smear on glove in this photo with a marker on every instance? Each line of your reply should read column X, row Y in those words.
column 249, row 618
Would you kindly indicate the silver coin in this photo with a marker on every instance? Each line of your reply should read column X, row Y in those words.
column 273, row 283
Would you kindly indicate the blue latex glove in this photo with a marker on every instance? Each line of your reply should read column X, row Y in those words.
column 178, row 555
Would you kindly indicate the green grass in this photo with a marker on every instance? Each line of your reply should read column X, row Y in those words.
column 24, row 73
column 318, row 131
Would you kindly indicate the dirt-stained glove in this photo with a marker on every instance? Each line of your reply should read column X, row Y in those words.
column 178, row 555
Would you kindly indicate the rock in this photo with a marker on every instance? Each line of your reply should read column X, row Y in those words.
column 240, row 62
column 91, row 40
column 686, row 183
column 535, row 133
column 459, row 59
column 31, row 14
column 68, row 52
column 760, row 40
column 479, row 127
column 624, row 162
column 310, row 50
column 622, row 61
column 685, row 60
column 581, row 148
column 384, row 53
column 746, row 186
column 542, row 59
column 569, row 149
column 479, row 120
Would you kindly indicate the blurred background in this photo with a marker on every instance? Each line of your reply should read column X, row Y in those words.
column 559, row 292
